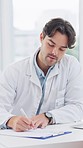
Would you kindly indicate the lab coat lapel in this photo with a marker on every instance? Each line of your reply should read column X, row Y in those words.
column 54, row 71
column 32, row 73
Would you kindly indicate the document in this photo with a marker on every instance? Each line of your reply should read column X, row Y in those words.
column 37, row 133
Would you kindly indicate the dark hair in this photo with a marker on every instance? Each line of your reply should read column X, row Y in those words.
column 64, row 27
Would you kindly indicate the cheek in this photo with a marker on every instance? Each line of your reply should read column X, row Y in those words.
column 61, row 54
column 45, row 49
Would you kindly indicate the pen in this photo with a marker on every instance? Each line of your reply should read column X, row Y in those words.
column 23, row 112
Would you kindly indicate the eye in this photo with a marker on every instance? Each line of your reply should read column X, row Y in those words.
column 62, row 49
column 51, row 45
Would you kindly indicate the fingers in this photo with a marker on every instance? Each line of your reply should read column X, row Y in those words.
column 40, row 124
column 20, row 123
column 39, row 121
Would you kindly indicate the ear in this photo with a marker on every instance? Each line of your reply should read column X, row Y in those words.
column 41, row 37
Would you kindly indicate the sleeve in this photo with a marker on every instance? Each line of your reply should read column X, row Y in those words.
column 8, row 86
column 4, row 126
column 73, row 98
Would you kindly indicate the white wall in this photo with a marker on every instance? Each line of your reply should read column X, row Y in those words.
column 0, row 40
column 81, row 31
column 6, row 33
column 6, row 39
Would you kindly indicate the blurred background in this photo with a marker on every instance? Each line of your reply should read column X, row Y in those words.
column 22, row 21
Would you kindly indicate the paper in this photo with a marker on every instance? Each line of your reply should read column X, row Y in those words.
column 37, row 133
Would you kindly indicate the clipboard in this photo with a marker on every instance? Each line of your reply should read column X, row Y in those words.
column 50, row 136
column 36, row 134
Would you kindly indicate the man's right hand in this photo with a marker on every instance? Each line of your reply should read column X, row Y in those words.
column 20, row 123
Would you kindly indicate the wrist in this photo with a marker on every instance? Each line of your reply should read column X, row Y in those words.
column 9, row 123
column 48, row 115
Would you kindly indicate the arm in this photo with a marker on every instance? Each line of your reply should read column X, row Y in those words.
column 7, row 94
column 72, row 109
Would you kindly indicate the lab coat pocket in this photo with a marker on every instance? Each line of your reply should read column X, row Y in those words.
column 60, row 99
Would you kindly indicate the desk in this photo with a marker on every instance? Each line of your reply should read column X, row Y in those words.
column 74, row 139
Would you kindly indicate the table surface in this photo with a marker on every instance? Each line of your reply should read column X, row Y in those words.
column 69, row 140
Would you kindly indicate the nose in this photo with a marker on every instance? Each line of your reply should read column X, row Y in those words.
column 55, row 51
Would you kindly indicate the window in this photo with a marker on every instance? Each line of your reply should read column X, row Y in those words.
column 21, row 22
column 29, row 17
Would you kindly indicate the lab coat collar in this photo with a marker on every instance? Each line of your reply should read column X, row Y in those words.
column 55, row 71
column 32, row 72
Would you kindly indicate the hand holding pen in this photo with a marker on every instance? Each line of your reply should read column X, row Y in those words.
column 20, row 123
column 23, row 123
column 38, row 121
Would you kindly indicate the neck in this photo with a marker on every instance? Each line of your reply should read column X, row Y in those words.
column 41, row 65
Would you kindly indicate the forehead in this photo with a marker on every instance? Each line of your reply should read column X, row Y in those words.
column 59, row 38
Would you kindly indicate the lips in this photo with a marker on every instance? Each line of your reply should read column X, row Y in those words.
column 52, row 57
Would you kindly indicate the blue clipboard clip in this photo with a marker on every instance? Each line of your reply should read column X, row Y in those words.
column 51, row 136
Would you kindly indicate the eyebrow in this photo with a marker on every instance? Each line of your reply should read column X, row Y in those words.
column 55, row 43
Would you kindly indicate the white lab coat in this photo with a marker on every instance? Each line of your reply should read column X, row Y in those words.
column 21, row 88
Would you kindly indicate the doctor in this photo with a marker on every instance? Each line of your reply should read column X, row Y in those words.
column 48, row 86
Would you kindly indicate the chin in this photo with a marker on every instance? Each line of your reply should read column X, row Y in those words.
column 49, row 65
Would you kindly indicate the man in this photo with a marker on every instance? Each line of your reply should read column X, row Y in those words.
column 48, row 86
